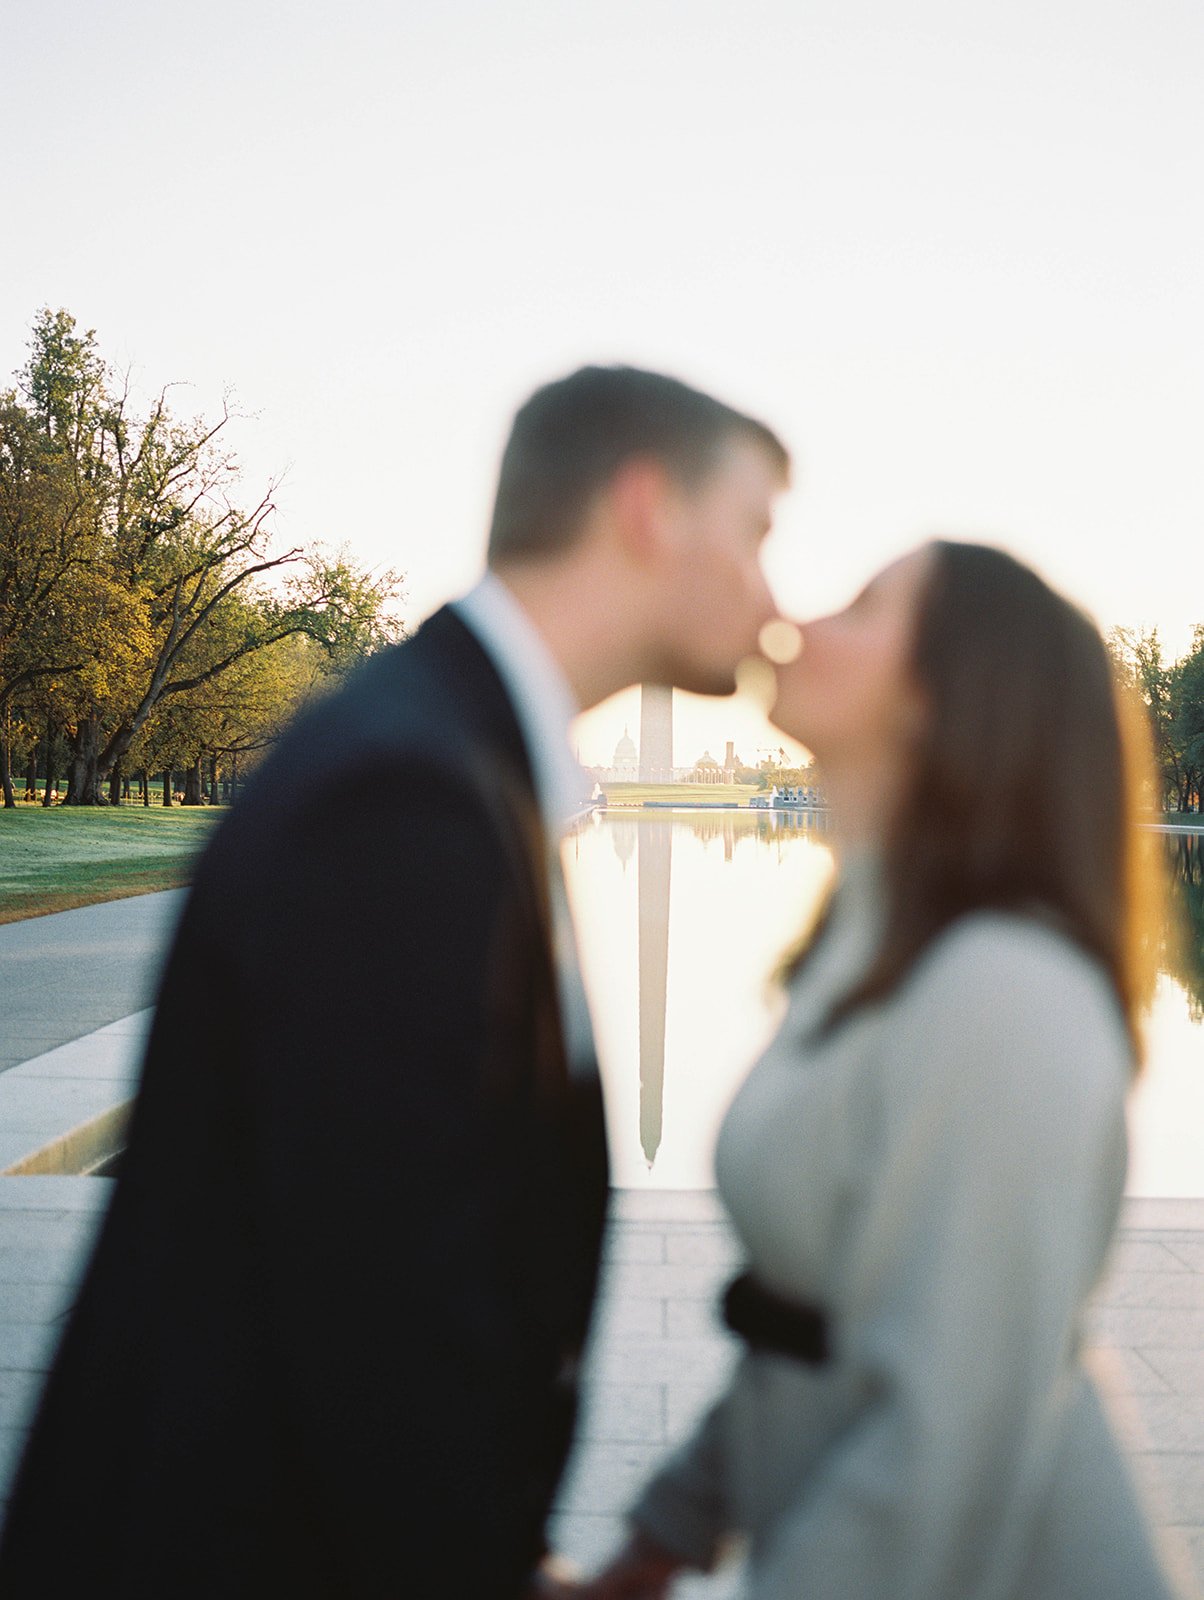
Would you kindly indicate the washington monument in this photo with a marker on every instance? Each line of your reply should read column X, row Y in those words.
column 656, row 733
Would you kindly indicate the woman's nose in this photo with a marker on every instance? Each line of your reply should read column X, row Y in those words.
column 781, row 641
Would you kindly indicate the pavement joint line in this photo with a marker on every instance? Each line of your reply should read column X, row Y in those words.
column 661, row 1246
column 641, row 1392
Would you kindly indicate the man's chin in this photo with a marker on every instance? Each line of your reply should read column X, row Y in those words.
column 713, row 681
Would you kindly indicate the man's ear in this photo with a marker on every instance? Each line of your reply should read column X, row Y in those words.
column 642, row 497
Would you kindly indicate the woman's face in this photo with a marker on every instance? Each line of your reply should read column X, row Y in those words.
column 849, row 697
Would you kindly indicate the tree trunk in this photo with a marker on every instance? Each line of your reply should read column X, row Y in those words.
column 83, row 781
column 192, row 785
column 214, row 797
column 167, row 787
column 51, row 780
column 31, row 775
column 6, row 776
column 115, row 785
column 144, row 782
column 118, row 747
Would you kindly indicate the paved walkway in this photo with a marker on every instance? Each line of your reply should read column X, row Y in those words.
column 658, row 1352
column 66, row 975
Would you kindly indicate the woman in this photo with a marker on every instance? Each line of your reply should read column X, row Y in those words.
column 926, row 1167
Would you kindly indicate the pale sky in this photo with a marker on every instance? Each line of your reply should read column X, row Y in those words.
column 952, row 252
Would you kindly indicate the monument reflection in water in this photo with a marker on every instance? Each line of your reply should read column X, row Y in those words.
column 682, row 918
column 655, row 874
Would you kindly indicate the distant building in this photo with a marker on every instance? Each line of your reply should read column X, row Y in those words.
column 651, row 761
column 625, row 768
column 625, row 765
column 707, row 769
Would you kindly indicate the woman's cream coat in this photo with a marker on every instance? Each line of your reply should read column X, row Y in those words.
column 943, row 1175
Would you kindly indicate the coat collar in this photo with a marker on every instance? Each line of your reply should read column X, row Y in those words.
column 539, row 693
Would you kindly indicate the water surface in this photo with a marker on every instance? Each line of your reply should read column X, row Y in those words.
column 683, row 915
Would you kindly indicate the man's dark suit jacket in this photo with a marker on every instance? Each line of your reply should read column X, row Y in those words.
column 326, row 1343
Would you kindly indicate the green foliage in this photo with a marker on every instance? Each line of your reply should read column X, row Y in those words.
column 1173, row 694
column 790, row 778
column 143, row 607
column 64, row 377
column 1187, row 698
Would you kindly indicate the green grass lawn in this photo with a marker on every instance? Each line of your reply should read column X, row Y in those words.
column 65, row 857
column 683, row 794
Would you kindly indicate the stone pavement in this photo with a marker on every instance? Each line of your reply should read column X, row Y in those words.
column 69, row 974
column 658, row 1353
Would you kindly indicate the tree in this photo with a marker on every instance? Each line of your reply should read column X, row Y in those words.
column 1138, row 656
column 133, row 574
column 48, row 516
column 1187, row 723
column 218, row 730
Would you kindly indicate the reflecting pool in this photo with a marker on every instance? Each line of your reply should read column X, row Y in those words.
column 682, row 917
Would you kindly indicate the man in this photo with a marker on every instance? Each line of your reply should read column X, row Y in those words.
column 326, row 1346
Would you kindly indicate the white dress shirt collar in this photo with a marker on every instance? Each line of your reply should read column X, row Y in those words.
column 539, row 691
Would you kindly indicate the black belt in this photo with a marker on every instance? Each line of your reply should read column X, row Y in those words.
column 766, row 1320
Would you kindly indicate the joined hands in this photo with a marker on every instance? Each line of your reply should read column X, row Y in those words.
column 642, row 1570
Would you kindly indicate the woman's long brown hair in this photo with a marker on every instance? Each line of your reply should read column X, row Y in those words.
column 1027, row 783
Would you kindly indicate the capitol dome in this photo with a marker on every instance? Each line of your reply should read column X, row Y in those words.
column 626, row 765
column 625, row 751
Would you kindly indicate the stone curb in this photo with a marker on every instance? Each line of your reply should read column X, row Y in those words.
column 66, row 1111
column 79, row 1151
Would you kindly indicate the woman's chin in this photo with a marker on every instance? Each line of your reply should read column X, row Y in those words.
column 800, row 729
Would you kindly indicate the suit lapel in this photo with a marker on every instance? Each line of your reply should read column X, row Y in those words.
column 505, row 775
